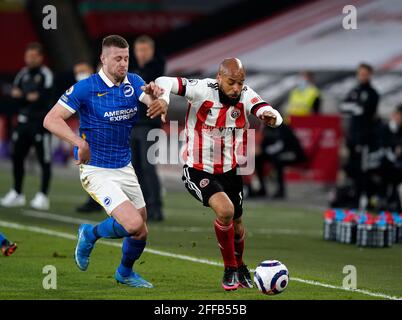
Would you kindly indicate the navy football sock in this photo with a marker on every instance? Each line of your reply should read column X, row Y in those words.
column 132, row 250
column 108, row 228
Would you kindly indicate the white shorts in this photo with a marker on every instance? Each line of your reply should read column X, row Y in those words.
column 111, row 187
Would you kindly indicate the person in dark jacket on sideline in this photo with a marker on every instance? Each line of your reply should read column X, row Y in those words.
column 149, row 66
column 360, row 109
column 32, row 92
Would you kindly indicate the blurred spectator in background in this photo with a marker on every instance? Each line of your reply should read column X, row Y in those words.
column 360, row 107
column 149, row 66
column 395, row 175
column 395, row 128
column 304, row 100
column 280, row 147
column 82, row 70
column 381, row 164
column 32, row 90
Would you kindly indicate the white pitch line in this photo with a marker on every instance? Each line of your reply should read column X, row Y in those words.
column 184, row 257
column 67, row 219
column 366, row 292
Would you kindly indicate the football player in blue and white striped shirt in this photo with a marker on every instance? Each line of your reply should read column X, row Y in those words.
column 107, row 103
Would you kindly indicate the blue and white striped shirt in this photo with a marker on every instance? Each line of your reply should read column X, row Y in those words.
column 107, row 114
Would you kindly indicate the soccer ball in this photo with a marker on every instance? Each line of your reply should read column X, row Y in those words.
column 271, row 277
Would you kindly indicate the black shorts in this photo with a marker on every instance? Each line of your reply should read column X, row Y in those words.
column 202, row 185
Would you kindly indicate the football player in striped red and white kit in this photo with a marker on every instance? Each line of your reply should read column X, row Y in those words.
column 216, row 136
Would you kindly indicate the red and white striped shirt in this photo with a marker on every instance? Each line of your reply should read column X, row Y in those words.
column 216, row 133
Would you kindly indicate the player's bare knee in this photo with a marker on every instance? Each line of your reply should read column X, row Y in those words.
column 225, row 213
column 223, row 207
column 143, row 213
column 142, row 233
column 134, row 225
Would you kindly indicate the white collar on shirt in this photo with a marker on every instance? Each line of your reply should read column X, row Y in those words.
column 108, row 82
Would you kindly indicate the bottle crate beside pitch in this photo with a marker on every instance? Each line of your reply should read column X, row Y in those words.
column 363, row 229
column 340, row 225
column 375, row 231
column 348, row 228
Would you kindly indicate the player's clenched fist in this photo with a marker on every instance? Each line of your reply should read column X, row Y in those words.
column 156, row 108
column 269, row 118
column 153, row 90
column 84, row 155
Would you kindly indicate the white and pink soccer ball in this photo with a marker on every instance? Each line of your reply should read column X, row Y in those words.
column 271, row 277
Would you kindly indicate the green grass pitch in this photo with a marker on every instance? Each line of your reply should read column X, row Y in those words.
column 291, row 235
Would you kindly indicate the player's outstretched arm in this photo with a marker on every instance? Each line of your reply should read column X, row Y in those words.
column 169, row 85
column 155, row 105
column 55, row 122
column 160, row 92
column 164, row 86
column 271, row 118
column 152, row 90
column 261, row 109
